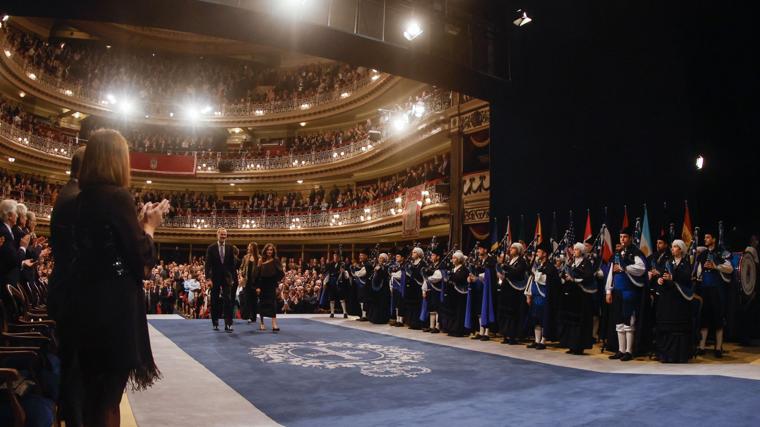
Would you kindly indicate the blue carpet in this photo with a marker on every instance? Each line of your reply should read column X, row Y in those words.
column 463, row 388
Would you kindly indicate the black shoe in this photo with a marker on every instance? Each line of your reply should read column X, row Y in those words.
column 426, row 329
column 216, row 327
column 616, row 356
column 700, row 352
column 345, row 316
column 435, row 331
column 532, row 345
column 485, row 338
column 392, row 323
column 227, row 329
column 275, row 330
column 512, row 341
column 364, row 319
column 540, row 346
column 719, row 354
column 505, row 341
column 626, row 357
column 475, row 337
column 332, row 315
column 399, row 324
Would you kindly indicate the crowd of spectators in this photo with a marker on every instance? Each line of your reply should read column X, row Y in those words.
column 187, row 203
column 12, row 113
column 164, row 78
column 27, row 188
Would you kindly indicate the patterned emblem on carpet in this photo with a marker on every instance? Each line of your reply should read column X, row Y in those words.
column 373, row 360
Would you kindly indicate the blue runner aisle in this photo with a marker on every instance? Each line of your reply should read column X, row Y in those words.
column 316, row 374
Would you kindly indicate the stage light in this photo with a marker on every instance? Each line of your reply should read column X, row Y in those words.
column 148, row 181
column 400, row 121
column 345, row 95
column 171, row 114
column 147, row 116
column 305, row 106
column 110, row 98
column 108, row 46
column 11, row 159
column 232, row 184
column 259, row 112
column 302, row 124
column 68, row 92
column 700, row 162
column 77, row 114
column 68, row 172
column 522, row 19
column 300, row 181
column 8, row 53
column 21, row 94
column 126, row 107
column 206, row 109
column 32, row 76
column 413, row 30
column 375, row 77
column 6, row 18
column 191, row 112
column 418, row 109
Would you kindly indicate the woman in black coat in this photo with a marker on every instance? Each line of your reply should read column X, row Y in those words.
column 115, row 253
column 380, row 293
column 250, row 301
column 268, row 276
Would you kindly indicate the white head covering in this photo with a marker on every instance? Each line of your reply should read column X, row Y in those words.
column 580, row 246
column 460, row 256
column 383, row 255
column 419, row 252
column 681, row 244
column 519, row 246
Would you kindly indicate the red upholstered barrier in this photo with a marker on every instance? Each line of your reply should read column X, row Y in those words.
column 162, row 163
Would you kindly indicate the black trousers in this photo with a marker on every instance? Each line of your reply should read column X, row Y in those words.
column 221, row 304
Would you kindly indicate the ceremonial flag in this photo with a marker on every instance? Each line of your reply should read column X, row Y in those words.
column 539, row 234
column 646, row 240
column 509, row 233
column 521, row 236
column 587, row 233
column 686, row 235
column 553, row 236
column 625, row 216
column 606, row 245
column 494, row 234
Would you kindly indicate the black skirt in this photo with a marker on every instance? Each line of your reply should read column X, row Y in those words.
column 674, row 325
column 511, row 311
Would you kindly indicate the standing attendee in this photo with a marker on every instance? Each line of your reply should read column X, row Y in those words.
column 624, row 289
column 337, row 277
column 380, row 311
column 454, row 307
column 539, row 298
column 713, row 274
column 579, row 290
column 362, row 278
column 269, row 274
column 11, row 253
column 675, row 292
column 512, row 307
column 220, row 267
column 432, row 288
column 413, row 289
column 248, row 272
column 115, row 247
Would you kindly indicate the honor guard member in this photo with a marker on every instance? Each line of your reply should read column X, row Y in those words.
column 413, row 289
column 512, row 307
column 544, row 276
column 336, row 284
column 432, row 288
column 455, row 296
column 599, row 281
column 625, row 284
column 362, row 279
column 477, row 292
column 399, row 277
column 675, row 293
column 380, row 301
column 713, row 274
column 579, row 289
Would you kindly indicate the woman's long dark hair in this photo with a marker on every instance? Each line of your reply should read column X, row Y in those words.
column 255, row 254
column 264, row 251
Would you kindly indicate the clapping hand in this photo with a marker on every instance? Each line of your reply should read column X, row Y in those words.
column 152, row 215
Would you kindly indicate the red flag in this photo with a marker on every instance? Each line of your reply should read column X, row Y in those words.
column 606, row 245
column 625, row 216
column 587, row 234
column 539, row 234
column 686, row 235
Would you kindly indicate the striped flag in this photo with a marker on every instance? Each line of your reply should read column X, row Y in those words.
column 587, row 233
column 686, row 235
column 606, row 245
column 539, row 233
column 625, row 216
column 646, row 239
column 508, row 243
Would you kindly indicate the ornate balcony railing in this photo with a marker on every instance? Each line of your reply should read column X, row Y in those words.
column 216, row 161
column 286, row 220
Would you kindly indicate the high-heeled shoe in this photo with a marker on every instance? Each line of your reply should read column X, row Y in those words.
column 275, row 330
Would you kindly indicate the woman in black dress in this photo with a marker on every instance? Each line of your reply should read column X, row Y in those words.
column 115, row 253
column 454, row 307
column 251, row 299
column 576, row 313
column 268, row 276
column 675, row 319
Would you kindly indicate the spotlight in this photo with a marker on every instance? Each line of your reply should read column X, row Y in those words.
column 232, row 184
column 192, row 112
column 400, row 121
column 126, row 107
column 302, row 124
column 300, row 181
column 522, row 19
column 77, row 114
column 206, row 109
column 21, row 94
column 110, row 98
column 345, row 95
column 68, row 172
column 147, row 181
column 413, row 30
column 6, row 18
column 305, row 106
column 171, row 114
column 700, row 162
column 68, row 92
column 259, row 112
column 32, row 76
column 11, row 159
column 8, row 53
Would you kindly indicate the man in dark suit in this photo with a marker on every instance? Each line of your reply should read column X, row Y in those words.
column 11, row 253
column 221, row 269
